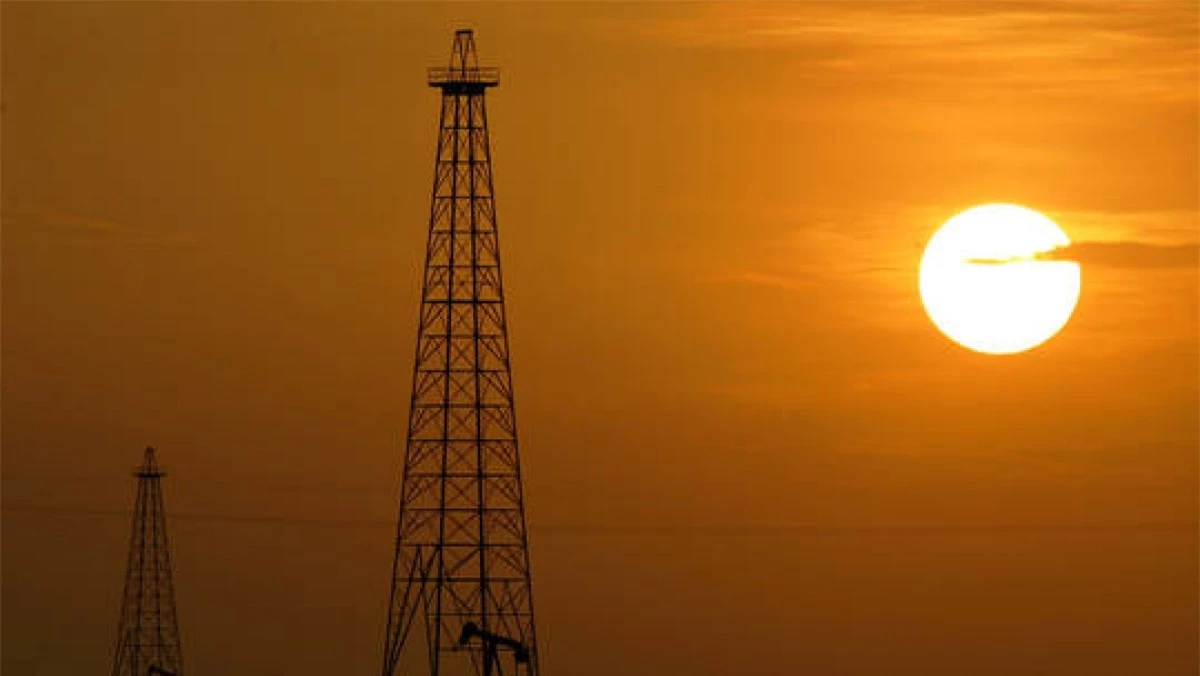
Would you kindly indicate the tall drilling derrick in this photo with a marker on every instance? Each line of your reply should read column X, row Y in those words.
column 462, row 558
column 147, row 634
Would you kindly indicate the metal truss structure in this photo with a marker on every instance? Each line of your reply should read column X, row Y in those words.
column 462, row 559
column 147, row 632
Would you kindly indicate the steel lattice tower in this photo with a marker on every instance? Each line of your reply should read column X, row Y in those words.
column 462, row 559
column 148, row 634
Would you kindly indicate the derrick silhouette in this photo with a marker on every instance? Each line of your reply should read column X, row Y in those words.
column 147, row 631
column 461, row 561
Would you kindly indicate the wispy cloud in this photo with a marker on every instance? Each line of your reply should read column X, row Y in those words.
column 1144, row 49
column 789, row 282
column 48, row 220
column 1129, row 255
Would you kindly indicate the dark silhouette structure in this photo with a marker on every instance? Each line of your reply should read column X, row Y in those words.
column 462, row 559
column 493, row 642
column 148, row 634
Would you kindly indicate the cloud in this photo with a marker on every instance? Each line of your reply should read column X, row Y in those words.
column 1062, row 47
column 78, row 225
column 765, row 279
column 1126, row 255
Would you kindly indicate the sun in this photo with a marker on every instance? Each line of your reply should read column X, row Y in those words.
column 986, row 285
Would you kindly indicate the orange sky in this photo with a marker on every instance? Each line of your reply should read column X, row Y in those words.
column 740, row 430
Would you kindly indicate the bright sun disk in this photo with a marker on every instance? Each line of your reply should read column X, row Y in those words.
column 986, row 285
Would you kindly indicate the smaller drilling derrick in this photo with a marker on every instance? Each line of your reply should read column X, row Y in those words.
column 147, row 632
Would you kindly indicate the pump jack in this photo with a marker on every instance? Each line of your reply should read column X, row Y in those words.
column 490, row 643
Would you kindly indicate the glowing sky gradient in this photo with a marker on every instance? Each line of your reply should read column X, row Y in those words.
column 740, row 429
